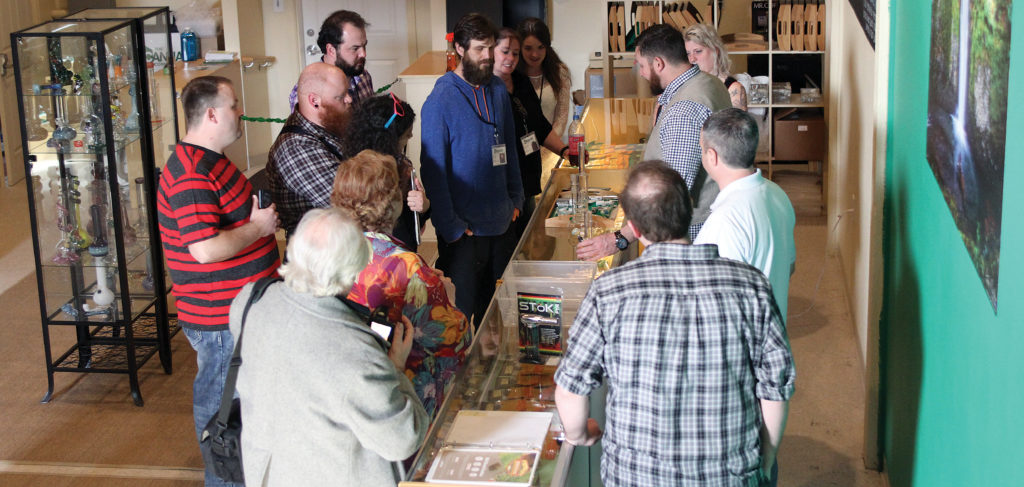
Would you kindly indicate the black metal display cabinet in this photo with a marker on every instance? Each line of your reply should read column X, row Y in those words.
column 94, row 117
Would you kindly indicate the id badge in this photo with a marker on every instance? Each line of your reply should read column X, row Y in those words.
column 499, row 156
column 530, row 144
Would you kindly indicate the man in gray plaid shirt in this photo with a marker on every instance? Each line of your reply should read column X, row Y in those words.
column 695, row 353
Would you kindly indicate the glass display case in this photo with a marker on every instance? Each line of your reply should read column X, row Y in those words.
column 90, row 132
column 499, row 373
column 495, row 377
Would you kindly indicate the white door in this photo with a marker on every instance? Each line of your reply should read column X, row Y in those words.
column 387, row 37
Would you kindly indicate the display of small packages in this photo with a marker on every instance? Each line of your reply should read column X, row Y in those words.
column 540, row 325
column 781, row 92
column 758, row 93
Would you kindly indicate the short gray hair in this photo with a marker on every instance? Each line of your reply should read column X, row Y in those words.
column 733, row 134
column 326, row 253
column 707, row 36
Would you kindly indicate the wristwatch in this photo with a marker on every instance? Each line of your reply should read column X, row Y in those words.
column 620, row 242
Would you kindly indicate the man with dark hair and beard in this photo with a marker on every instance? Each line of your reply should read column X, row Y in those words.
column 470, row 168
column 342, row 41
column 686, row 98
column 307, row 152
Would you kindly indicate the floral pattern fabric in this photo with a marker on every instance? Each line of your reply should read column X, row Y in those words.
column 402, row 280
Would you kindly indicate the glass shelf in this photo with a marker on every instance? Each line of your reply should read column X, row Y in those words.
column 794, row 102
column 739, row 53
column 40, row 147
column 30, row 91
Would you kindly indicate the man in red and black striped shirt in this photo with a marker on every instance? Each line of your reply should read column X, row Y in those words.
column 215, row 236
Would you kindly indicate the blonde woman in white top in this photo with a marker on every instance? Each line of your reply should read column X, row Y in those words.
column 548, row 74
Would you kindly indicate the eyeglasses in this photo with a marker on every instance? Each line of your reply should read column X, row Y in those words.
column 399, row 111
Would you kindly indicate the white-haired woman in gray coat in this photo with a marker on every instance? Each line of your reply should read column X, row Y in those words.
column 324, row 400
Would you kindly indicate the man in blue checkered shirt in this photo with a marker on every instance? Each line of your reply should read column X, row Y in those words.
column 692, row 347
column 686, row 98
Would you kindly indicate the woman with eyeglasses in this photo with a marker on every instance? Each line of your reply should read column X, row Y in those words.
column 532, row 129
column 546, row 72
column 383, row 124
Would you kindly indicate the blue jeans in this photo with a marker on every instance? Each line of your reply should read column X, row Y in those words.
column 213, row 355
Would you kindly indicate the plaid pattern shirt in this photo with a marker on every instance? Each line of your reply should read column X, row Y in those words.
column 359, row 88
column 688, row 342
column 680, row 132
column 300, row 169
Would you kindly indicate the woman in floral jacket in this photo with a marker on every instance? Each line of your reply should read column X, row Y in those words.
column 367, row 185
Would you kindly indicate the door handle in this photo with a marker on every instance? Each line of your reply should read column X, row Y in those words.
column 313, row 50
column 3, row 64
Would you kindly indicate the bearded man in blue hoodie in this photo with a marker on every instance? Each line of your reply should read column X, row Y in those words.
column 470, row 168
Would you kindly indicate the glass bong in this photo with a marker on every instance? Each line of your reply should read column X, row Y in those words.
column 63, row 134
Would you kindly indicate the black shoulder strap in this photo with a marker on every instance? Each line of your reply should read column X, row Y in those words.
column 236, row 357
column 297, row 129
column 360, row 310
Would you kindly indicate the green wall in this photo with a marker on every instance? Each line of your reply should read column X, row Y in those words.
column 952, row 368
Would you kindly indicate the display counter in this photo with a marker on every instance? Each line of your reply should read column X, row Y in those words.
column 493, row 378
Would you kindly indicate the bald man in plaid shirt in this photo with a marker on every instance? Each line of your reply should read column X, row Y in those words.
column 692, row 347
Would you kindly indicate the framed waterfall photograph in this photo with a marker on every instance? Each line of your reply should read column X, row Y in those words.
column 967, row 92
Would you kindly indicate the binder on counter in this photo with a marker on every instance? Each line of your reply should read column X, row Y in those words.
column 500, row 448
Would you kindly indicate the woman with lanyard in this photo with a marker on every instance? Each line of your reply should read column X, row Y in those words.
column 532, row 129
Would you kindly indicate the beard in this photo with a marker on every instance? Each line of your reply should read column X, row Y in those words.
column 336, row 121
column 477, row 73
column 656, row 86
column 351, row 69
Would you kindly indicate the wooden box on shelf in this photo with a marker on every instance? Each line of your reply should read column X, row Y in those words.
column 800, row 135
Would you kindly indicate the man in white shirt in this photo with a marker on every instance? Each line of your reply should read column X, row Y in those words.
column 751, row 219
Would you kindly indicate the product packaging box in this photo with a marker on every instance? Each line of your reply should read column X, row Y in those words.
column 800, row 135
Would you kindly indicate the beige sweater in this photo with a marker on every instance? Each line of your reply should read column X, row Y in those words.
column 321, row 402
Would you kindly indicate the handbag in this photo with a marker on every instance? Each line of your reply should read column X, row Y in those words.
column 221, row 441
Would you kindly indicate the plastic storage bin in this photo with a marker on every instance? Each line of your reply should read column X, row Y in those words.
column 569, row 279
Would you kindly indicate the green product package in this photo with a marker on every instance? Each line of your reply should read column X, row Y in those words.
column 540, row 324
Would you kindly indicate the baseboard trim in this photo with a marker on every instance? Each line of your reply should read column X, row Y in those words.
column 94, row 470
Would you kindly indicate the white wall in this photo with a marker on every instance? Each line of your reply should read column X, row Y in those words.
column 578, row 28
column 856, row 177
column 857, row 120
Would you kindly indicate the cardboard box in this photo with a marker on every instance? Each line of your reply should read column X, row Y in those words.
column 800, row 135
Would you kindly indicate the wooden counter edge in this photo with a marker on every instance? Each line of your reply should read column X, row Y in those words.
column 431, row 63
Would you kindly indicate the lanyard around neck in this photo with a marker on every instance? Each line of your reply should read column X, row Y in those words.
column 476, row 106
column 479, row 114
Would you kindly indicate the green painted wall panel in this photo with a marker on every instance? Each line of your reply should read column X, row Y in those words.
column 952, row 369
